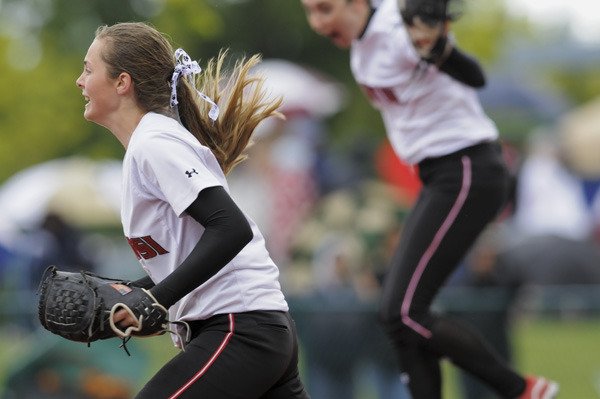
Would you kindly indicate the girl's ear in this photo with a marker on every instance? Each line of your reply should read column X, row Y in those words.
column 124, row 83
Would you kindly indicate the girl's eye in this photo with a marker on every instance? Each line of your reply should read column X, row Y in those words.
column 325, row 10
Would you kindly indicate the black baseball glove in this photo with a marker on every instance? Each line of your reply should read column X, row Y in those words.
column 80, row 307
column 425, row 22
column 431, row 12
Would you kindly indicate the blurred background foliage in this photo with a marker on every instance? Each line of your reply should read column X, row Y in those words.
column 43, row 42
column 534, row 76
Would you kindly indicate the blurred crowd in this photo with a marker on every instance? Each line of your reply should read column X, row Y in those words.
column 331, row 220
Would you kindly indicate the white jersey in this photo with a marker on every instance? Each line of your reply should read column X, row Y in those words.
column 426, row 112
column 164, row 169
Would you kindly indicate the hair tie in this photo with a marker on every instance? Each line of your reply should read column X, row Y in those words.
column 187, row 68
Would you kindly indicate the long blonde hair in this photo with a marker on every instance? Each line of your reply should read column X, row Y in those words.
column 147, row 56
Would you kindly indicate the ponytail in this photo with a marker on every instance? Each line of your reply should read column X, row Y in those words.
column 242, row 102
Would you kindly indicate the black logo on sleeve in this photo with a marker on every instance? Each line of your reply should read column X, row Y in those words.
column 189, row 173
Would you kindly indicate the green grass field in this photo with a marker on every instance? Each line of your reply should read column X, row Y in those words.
column 567, row 351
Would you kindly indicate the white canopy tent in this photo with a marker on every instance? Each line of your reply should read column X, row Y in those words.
column 84, row 192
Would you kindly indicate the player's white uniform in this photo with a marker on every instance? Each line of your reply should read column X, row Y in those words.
column 436, row 122
column 426, row 114
column 164, row 169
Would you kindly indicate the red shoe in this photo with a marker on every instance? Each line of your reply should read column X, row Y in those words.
column 539, row 388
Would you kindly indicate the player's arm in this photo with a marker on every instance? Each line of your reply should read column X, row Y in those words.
column 144, row 282
column 428, row 25
column 226, row 233
column 433, row 44
column 463, row 68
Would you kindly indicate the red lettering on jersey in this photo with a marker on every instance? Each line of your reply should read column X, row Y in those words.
column 380, row 94
column 389, row 94
column 145, row 247
column 160, row 250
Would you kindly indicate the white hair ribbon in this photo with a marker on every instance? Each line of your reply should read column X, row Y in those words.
column 187, row 68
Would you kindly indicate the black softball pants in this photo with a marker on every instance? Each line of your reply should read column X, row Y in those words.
column 462, row 192
column 251, row 355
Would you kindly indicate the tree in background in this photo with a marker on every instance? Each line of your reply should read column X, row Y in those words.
column 42, row 44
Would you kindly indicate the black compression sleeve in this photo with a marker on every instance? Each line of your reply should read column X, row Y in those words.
column 144, row 282
column 463, row 68
column 226, row 233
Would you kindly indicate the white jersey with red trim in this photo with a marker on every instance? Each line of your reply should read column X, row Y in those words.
column 426, row 112
column 164, row 169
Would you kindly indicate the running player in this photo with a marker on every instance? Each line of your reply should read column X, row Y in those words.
column 206, row 260
column 424, row 88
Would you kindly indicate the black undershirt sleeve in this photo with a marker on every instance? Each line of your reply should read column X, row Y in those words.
column 145, row 282
column 463, row 68
column 226, row 233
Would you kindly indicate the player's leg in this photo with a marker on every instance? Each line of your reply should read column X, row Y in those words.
column 410, row 287
column 461, row 195
column 232, row 356
column 416, row 364
column 453, row 339
column 289, row 386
